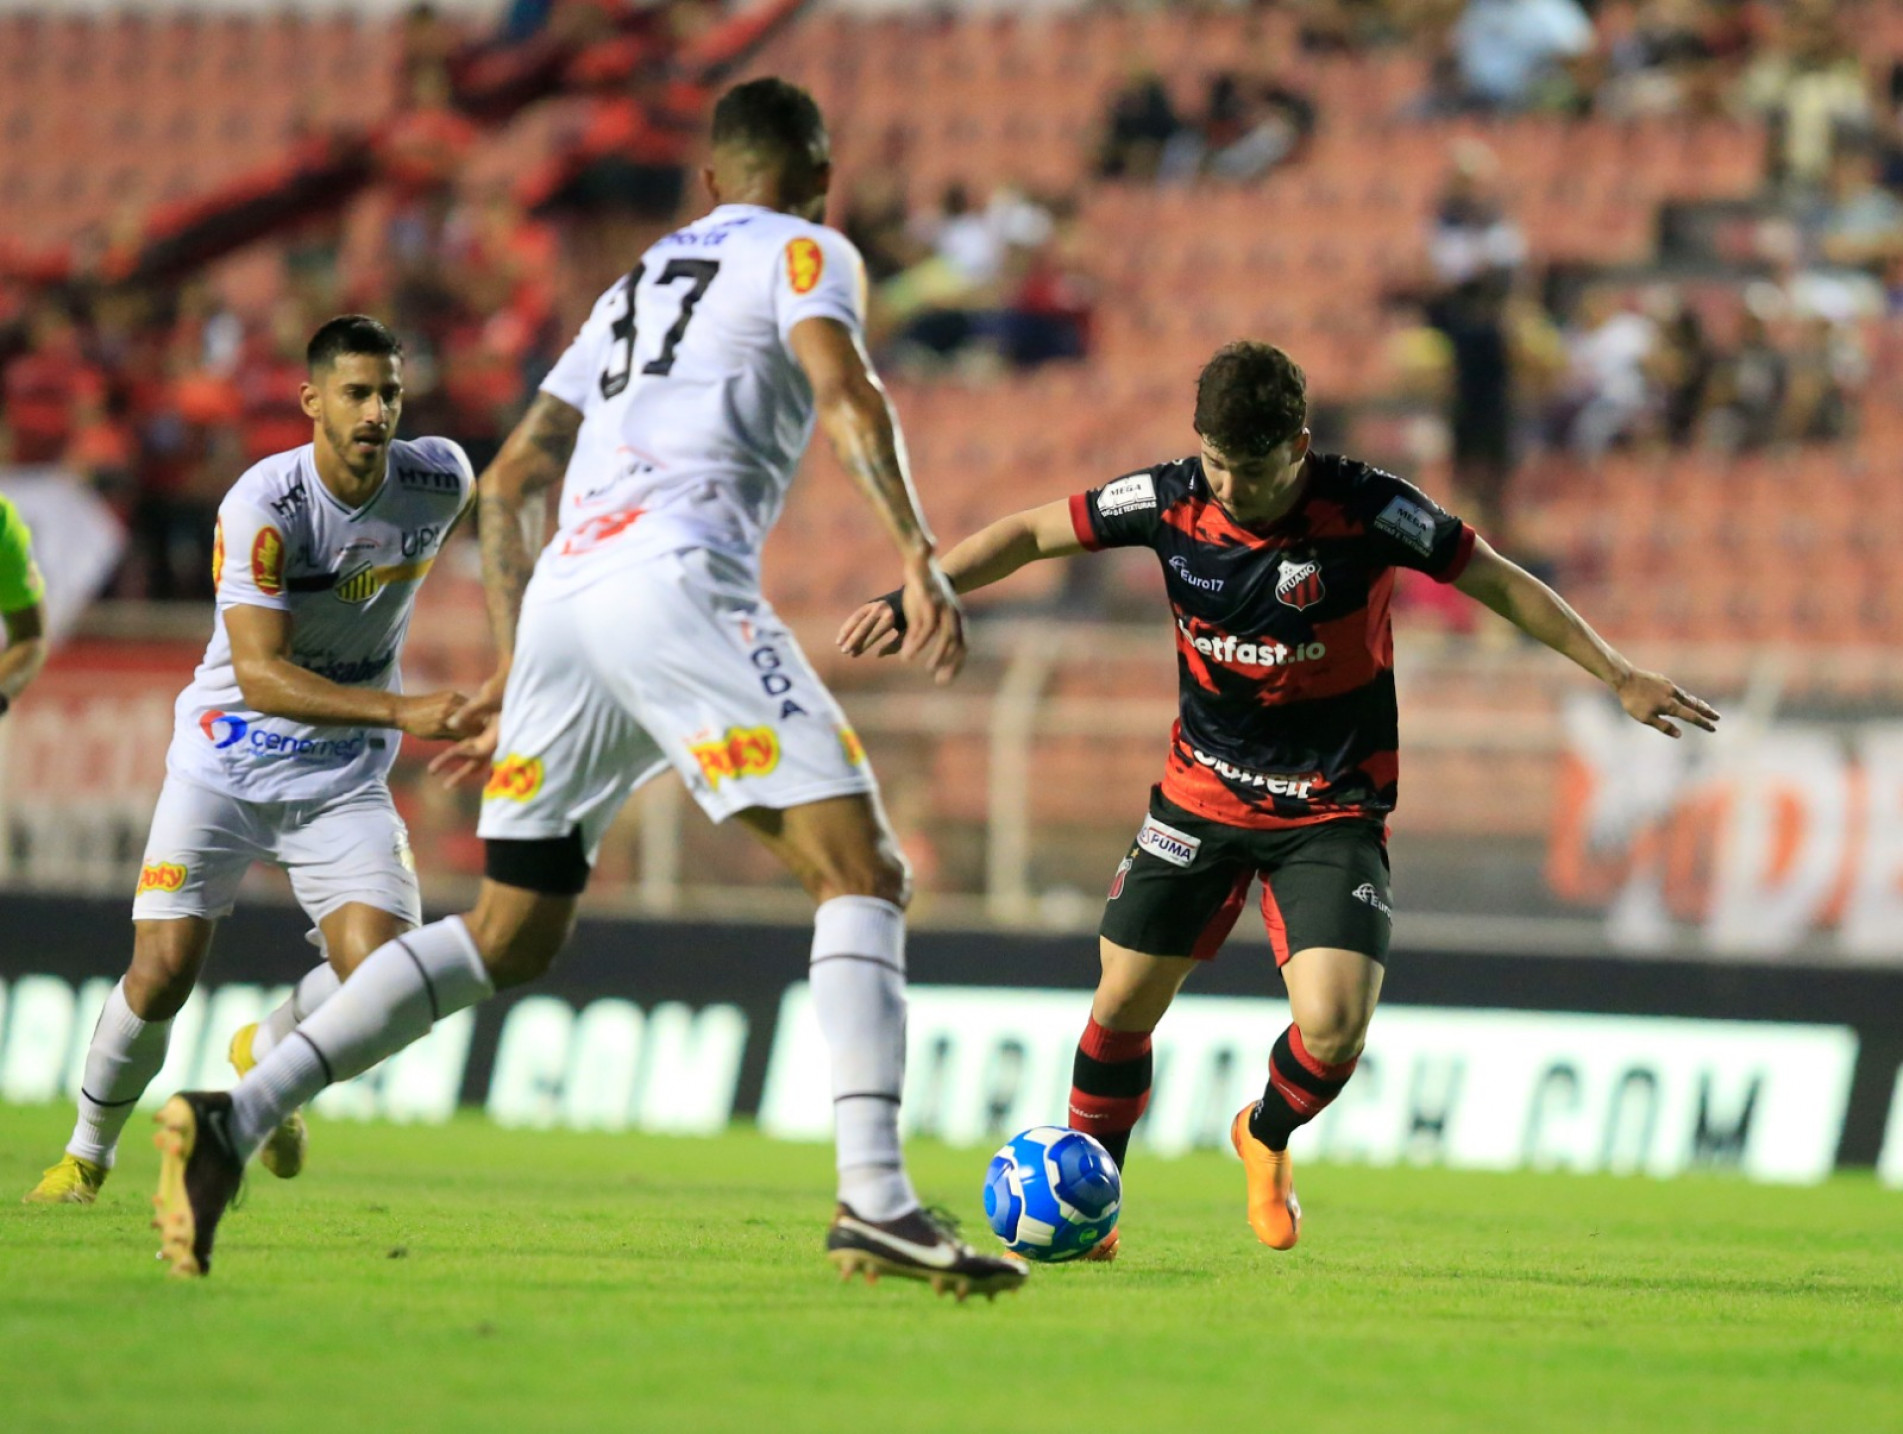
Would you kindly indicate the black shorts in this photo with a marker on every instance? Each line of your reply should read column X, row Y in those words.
column 1181, row 888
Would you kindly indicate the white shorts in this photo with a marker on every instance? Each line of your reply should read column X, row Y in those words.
column 674, row 659
column 336, row 850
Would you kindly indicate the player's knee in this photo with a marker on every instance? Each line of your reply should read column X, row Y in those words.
column 160, row 979
column 518, row 933
column 881, row 872
column 1333, row 1033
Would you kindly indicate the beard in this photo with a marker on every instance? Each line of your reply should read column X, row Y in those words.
column 343, row 444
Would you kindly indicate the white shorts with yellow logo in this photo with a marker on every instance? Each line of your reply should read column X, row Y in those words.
column 676, row 660
column 336, row 850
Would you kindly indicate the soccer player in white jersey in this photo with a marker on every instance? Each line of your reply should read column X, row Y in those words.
column 675, row 422
column 284, row 739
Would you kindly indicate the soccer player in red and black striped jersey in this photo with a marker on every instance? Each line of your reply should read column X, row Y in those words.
column 1279, row 564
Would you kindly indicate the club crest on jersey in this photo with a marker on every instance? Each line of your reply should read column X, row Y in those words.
column 805, row 262
column 1300, row 584
column 267, row 561
column 1161, row 840
column 357, row 586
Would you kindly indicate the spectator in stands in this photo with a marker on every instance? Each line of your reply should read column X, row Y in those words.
column 1475, row 251
column 1810, row 86
column 1856, row 223
column 1823, row 371
column 1612, row 347
column 1141, row 125
column 1683, row 363
column 1248, row 127
column 1674, row 58
column 1048, row 317
column 878, row 210
column 42, row 388
column 1748, row 388
column 1516, row 55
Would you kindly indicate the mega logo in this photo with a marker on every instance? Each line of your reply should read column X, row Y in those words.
column 1300, row 584
column 742, row 752
column 160, row 876
column 217, row 553
column 1262, row 652
column 804, row 265
column 514, row 779
column 233, row 731
column 267, row 561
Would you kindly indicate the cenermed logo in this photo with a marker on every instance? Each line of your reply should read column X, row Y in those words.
column 233, row 732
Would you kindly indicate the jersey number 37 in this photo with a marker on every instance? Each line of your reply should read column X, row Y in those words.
column 698, row 273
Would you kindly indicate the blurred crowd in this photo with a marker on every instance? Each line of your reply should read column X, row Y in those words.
column 160, row 397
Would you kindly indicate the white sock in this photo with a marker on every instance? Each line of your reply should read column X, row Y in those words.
column 403, row 988
column 319, row 984
column 125, row 1054
column 858, row 984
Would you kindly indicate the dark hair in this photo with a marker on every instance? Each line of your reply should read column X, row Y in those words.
column 350, row 334
column 1250, row 398
column 770, row 117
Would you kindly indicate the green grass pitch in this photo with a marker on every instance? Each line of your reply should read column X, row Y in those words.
column 470, row 1278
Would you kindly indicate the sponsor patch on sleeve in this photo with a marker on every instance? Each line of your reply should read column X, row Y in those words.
column 1127, row 494
column 805, row 262
column 217, row 552
column 1166, row 843
column 267, row 561
column 1409, row 524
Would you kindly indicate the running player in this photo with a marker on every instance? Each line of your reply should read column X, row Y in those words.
column 284, row 739
column 675, row 422
column 1279, row 564
column 22, row 606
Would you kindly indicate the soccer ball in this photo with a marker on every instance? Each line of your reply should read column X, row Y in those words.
column 1051, row 1194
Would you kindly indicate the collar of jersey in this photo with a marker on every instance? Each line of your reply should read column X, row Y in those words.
column 1274, row 528
column 323, row 488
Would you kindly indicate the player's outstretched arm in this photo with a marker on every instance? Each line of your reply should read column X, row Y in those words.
column 987, row 556
column 859, row 423
column 25, row 652
column 1534, row 608
column 276, row 686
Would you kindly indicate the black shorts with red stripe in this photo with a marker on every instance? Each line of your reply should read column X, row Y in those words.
column 1181, row 888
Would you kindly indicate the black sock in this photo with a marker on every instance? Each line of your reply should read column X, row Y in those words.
column 1299, row 1089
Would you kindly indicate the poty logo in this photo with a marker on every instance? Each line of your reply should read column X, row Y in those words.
column 1366, row 892
column 742, row 752
column 850, row 745
column 160, row 876
column 1262, row 652
column 514, row 779
column 1180, row 566
column 1300, row 585
column 235, row 728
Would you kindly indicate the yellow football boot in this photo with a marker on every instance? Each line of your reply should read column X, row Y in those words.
column 1274, row 1213
column 283, row 1150
column 71, row 1182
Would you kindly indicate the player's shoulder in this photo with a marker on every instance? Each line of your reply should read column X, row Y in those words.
column 1157, row 486
column 431, row 465
column 276, row 487
column 1360, row 486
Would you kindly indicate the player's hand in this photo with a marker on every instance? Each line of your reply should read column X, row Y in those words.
column 1654, row 699
column 432, row 716
column 934, row 622
column 477, row 711
column 469, row 757
column 874, row 628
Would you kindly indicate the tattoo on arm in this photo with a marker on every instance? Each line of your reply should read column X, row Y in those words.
column 512, row 507
column 869, row 446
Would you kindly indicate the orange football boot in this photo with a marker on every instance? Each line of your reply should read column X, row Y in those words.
column 1274, row 1213
column 1105, row 1250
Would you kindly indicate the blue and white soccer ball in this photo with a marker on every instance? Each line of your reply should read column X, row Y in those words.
column 1051, row 1194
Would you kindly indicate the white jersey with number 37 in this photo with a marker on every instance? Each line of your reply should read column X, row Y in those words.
column 694, row 411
